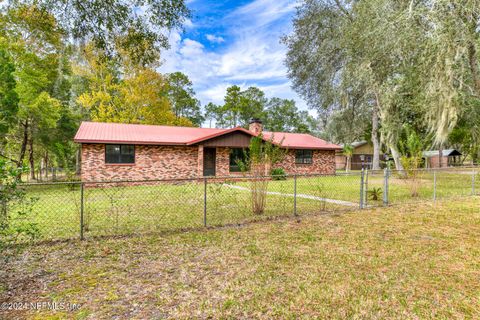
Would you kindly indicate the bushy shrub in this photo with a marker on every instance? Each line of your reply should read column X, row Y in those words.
column 262, row 155
column 278, row 174
column 412, row 160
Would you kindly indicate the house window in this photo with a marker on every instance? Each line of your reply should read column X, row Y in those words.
column 236, row 155
column 303, row 156
column 119, row 153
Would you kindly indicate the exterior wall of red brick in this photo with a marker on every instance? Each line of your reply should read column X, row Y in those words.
column 151, row 162
column 323, row 161
column 223, row 162
column 181, row 162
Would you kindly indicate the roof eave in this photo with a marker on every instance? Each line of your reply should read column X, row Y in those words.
column 159, row 143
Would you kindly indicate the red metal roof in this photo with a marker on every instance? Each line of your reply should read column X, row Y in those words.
column 91, row 132
column 299, row 141
column 99, row 132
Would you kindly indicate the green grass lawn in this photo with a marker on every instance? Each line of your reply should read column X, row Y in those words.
column 119, row 210
column 418, row 261
column 126, row 209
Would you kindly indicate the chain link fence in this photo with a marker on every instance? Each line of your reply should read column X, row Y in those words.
column 51, row 174
column 66, row 210
column 397, row 187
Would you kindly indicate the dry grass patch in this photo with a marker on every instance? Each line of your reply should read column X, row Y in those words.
column 419, row 261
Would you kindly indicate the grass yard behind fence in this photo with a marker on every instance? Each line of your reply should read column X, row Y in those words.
column 125, row 209
column 413, row 261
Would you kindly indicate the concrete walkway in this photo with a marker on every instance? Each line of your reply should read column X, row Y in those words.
column 299, row 195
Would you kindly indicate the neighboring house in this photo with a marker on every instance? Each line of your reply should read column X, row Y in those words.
column 113, row 151
column 450, row 157
column 362, row 156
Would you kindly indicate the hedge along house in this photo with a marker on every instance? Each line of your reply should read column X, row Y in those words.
column 113, row 151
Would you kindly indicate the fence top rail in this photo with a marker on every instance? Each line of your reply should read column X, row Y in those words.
column 209, row 178
column 456, row 168
column 435, row 169
column 49, row 183
column 248, row 177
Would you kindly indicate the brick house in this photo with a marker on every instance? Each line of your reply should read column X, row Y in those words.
column 113, row 151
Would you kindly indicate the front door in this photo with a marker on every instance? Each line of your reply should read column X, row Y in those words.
column 209, row 159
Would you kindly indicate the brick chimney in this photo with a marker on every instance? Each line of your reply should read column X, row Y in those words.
column 255, row 126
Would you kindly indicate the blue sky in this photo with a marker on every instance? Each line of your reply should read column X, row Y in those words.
column 233, row 42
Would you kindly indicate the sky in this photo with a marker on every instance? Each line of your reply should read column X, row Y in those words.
column 233, row 43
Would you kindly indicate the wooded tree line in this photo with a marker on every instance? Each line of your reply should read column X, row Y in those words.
column 98, row 61
column 277, row 114
column 60, row 67
column 389, row 69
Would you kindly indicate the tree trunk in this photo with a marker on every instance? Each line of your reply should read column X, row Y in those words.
column 31, row 159
column 375, row 140
column 23, row 148
column 472, row 59
column 440, row 156
column 46, row 165
column 41, row 169
column 396, row 158
column 349, row 164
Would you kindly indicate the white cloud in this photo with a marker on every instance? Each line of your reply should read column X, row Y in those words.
column 214, row 39
column 260, row 13
column 252, row 56
column 191, row 48
column 214, row 93
column 190, row 57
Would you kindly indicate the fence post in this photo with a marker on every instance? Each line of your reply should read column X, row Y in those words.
column 362, row 181
column 81, row 210
column 385, row 186
column 204, row 202
column 434, row 185
column 365, row 192
column 295, row 194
